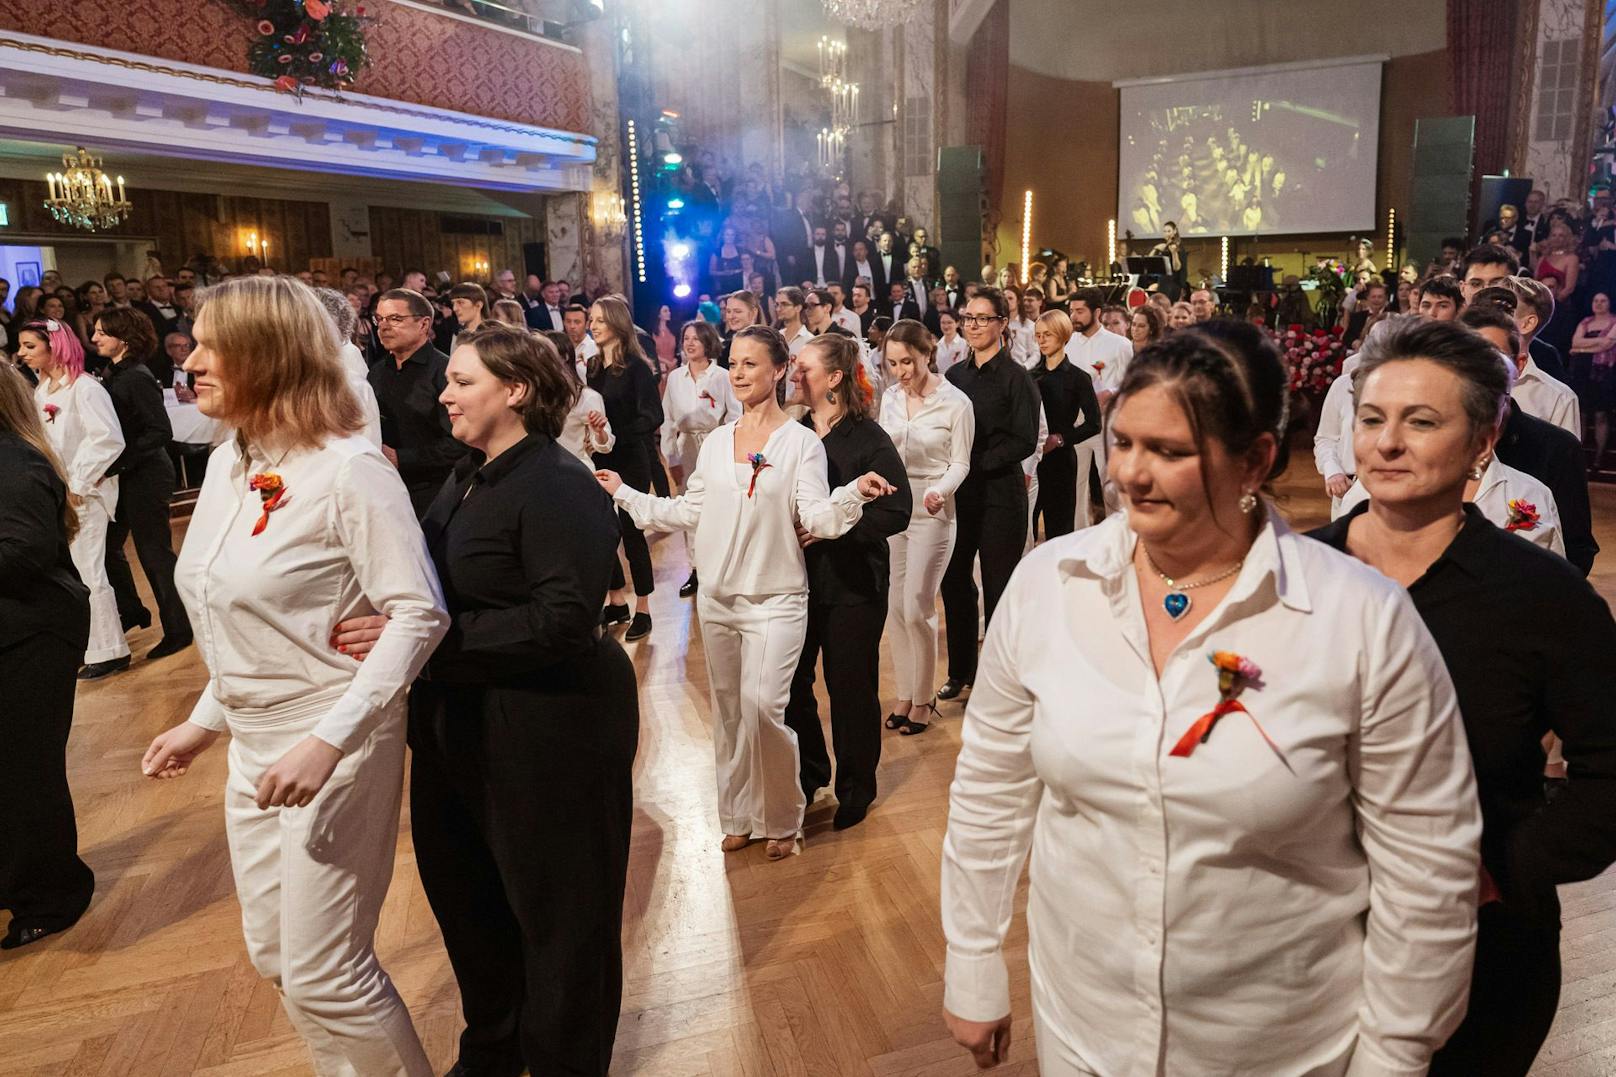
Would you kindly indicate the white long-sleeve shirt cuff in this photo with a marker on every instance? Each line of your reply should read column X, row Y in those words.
column 207, row 713
column 976, row 986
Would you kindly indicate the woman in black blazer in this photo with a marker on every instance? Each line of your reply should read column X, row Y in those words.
column 145, row 478
column 524, row 725
column 44, row 628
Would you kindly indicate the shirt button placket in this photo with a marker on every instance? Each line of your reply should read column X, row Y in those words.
column 1149, row 888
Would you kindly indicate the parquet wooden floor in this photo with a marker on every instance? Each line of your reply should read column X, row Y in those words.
column 826, row 965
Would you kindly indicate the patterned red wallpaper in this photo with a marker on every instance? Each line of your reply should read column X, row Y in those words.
column 416, row 56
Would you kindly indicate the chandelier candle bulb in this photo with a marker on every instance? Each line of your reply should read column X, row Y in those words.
column 120, row 189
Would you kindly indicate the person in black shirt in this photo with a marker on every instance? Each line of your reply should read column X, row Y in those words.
column 44, row 628
column 1528, row 644
column 1067, row 392
column 1553, row 457
column 415, row 428
column 625, row 379
column 145, row 479
column 523, row 725
column 847, row 583
column 991, row 504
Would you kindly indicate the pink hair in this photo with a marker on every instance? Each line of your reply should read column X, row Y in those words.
column 63, row 344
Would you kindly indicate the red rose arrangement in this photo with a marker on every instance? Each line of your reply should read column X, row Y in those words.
column 1523, row 516
column 1312, row 357
column 271, row 492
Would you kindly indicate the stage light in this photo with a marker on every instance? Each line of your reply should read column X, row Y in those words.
column 1223, row 261
column 634, row 181
column 1111, row 242
column 672, row 158
column 676, row 203
column 1391, row 239
column 680, row 250
column 681, row 290
column 1026, row 234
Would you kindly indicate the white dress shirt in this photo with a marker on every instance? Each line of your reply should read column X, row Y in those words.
column 935, row 442
column 85, row 434
column 863, row 270
column 818, row 253
column 1332, row 442
column 748, row 545
column 849, row 321
column 799, row 340
column 1305, row 908
column 1500, row 484
column 950, row 352
column 1105, row 356
column 693, row 407
column 578, row 437
column 343, row 543
column 1023, row 342
column 358, row 372
column 1547, row 398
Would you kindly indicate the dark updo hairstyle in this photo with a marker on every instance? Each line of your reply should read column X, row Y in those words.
column 1227, row 378
column 1454, row 346
column 779, row 351
column 569, row 357
column 130, row 326
column 1001, row 306
column 518, row 357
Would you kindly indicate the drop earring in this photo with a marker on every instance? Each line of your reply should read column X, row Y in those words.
column 1248, row 503
column 1477, row 469
column 830, row 396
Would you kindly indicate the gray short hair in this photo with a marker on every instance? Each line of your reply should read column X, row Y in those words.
column 342, row 313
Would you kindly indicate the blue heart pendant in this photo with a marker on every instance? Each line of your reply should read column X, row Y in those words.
column 1177, row 604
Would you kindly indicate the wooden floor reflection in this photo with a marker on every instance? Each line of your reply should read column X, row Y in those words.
column 825, row 964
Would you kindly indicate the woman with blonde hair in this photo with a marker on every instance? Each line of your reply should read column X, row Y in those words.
column 626, row 380
column 44, row 627
column 509, row 312
column 932, row 425
column 301, row 524
column 83, row 429
column 1073, row 412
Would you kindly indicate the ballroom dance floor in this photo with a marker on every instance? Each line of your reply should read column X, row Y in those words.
column 826, row 964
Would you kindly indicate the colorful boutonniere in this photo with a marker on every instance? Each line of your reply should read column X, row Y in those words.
column 1099, row 366
column 1235, row 673
column 51, row 411
column 705, row 395
column 272, row 492
column 758, row 463
column 1523, row 516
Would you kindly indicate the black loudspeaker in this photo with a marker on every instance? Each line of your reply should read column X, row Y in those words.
column 961, row 209
column 1498, row 191
column 1439, row 190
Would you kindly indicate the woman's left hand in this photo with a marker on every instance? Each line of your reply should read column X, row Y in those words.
column 610, row 481
column 299, row 775
column 597, row 421
column 357, row 635
column 871, row 485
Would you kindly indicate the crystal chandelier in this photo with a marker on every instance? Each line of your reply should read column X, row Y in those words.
column 872, row 14
column 83, row 196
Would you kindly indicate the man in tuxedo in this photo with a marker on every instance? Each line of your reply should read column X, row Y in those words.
column 505, row 286
column 532, row 292
column 159, row 305
column 1534, row 226
column 1508, row 227
column 793, row 235
column 863, row 307
column 547, row 315
column 838, row 256
column 934, row 257
column 918, row 285
column 869, row 213
column 818, row 258
column 953, row 289
column 900, row 304
column 887, row 263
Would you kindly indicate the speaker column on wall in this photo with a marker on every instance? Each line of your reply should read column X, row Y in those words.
column 1444, row 167
column 961, row 208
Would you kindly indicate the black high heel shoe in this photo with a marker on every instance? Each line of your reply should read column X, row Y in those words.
column 912, row 728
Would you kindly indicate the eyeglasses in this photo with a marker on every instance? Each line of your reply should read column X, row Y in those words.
column 811, row 306
column 399, row 319
column 983, row 320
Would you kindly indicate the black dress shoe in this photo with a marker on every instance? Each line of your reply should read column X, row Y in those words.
column 638, row 628
column 94, row 671
column 22, row 935
column 688, row 588
column 614, row 615
column 168, row 645
column 849, row 815
column 953, row 689
column 143, row 620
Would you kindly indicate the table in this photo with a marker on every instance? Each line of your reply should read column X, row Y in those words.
column 191, row 427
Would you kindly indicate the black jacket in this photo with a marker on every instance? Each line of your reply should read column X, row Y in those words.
column 138, row 400
column 40, row 591
column 853, row 569
column 1553, row 457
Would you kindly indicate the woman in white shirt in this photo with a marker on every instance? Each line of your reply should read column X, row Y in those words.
column 755, row 482
column 1019, row 332
column 586, row 430
column 83, row 429
column 302, row 524
column 932, row 425
column 1266, row 864
column 698, row 400
column 951, row 347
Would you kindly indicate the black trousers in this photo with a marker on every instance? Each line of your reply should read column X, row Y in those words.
column 1057, row 492
column 990, row 521
column 144, row 492
column 849, row 639
column 638, row 552
column 42, row 880
column 659, row 471
column 636, row 461
column 521, row 803
column 1514, row 993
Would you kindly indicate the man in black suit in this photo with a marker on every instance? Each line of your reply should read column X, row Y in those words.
column 416, row 437
column 900, row 304
column 953, row 288
column 793, row 235
column 869, row 212
column 1534, row 226
column 159, row 305
column 887, row 262
column 863, row 305
column 838, row 256
column 546, row 315
column 1553, row 457
column 933, row 257
column 918, row 284
column 1508, row 227
column 818, row 267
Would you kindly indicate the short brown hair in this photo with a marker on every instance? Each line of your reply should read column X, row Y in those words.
column 510, row 312
column 420, row 306
column 518, row 357
column 132, row 327
column 711, row 343
column 468, row 290
column 1456, row 347
column 278, row 351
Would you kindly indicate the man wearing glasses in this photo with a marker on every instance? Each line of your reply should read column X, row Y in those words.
column 415, row 427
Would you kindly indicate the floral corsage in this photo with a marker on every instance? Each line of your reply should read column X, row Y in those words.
column 1523, row 516
column 271, row 492
column 712, row 402
column 1235, row 674
column 758, row 463
column 51, row 411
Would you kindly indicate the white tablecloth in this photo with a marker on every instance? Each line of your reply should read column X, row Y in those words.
column 191, row 427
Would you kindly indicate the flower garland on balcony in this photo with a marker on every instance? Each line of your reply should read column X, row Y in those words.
column 303, row 43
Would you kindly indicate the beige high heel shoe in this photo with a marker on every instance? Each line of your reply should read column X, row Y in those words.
column 780, row 848
column 734, row 843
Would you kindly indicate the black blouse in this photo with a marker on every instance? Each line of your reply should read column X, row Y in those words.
column 1006, row 407
column 40, row 591
column 1531, row 649
column 853, row 569
column 138, row 400
column 524, row 548
column 634, row 410
column 1067, row 390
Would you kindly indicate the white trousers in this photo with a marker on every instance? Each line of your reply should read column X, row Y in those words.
column 752, row 646
column 919, row 558
column 1032, row 509
column 1087, row 457
column 311, row 882
column 88, row 549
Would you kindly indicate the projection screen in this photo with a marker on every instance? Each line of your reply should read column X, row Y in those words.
column 1258, row 151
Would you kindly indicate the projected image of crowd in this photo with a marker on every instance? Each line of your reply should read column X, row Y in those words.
column 1206, row 175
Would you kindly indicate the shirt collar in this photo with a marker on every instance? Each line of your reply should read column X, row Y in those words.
column 1105, row 552
column 1530, row 372
column 503, row 464
column 419, row 355
column 1468, row 550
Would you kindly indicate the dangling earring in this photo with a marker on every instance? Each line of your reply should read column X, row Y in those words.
column 830, row 396
column 1478, row 468
column 1248, row 503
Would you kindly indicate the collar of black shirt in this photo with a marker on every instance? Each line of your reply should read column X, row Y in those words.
column 472, row 465
column 423, row 353
column 1470, row 549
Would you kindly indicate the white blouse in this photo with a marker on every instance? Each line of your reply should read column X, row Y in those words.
column 935, row 443
column 85, row 434
column 950, row 352
column 1249, row 908
column 1023, row 342
column 342, row 543
column 358, row 374
column 1500, row 485
column 1332, row 442
column 693, row 407
column 747, row 545
column 578, row 437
